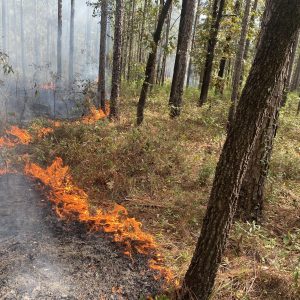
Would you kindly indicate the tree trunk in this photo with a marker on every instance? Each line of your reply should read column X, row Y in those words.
column 88, row 39
column 59, row 35
column 150, row 68
column 165, row 56
column 251, row 197
column 117, row 60
column 217, row 13
column 184, row 40
column 238, row 66
column 252, row 111
column 190, row 62
column 131, row 36
column 102, row 57
column 22, row 42
column 226, row 50
column 36, row 41
column 142, row 33
column 71, row 50
column 296, row 76
column 251, row 25
column 4, row 29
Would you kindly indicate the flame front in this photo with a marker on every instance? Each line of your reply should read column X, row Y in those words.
column 18, row 136
column 71, row 203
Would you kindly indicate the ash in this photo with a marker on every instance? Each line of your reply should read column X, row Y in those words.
column 42, row 257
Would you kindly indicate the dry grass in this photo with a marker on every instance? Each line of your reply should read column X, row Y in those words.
column 162, row 173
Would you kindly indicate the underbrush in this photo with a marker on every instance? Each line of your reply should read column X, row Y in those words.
column 162, row 173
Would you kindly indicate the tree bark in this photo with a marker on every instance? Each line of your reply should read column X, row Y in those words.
column 117, row 60
column 252, row 111
column 183, row 45
column 131, row 36
column 238, row 66
column 150, row 68
column 102, row 56
column 190, row 62
column 59, row 35
column 296, row 76
column 217, row 13
column 71, row 50
column 165, row 55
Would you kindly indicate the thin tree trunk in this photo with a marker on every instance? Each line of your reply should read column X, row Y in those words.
column 4, row 29
column 22, row 42
column 71, row 50
column 257, row 98
column 190, row 62
column 165, row 56
column 251, row 25
column 296, row 76
column 142, row 33
column 59, row 36
column 102, row 58
column 184, row 40
column 150, row 68
column 238, row 66
column 131, row 37
column 117, row 60
column 217, row 13
column 36, row 41
column 88, row 39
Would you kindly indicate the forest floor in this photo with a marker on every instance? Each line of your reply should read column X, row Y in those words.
column 45, row 258
column 162, row 173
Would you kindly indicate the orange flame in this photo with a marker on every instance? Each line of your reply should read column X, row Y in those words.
column 71, row 203
column 48, row 86
column 21, row 136
column 95, row 115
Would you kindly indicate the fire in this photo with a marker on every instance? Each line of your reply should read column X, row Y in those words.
column 48, row 86
column 21, row 136
column 95, row 115
column 71, row 203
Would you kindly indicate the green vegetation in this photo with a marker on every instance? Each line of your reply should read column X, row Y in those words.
column 162, row 173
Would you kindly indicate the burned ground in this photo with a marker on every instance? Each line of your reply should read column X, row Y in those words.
column 42, row 257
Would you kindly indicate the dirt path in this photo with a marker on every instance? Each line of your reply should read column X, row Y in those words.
column 44, row 258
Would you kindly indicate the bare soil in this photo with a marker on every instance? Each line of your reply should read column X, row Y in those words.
column 42, row 257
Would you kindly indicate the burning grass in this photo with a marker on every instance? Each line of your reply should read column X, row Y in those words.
column 71, row 203
column 162, row 172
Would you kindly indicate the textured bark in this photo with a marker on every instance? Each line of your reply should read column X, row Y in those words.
column 117, row 60
column 190, row 62
column 71, row 50
column 217, row 13
column 165, row 56
column 184, row 40
column 251, row 197
column 296, row 76
column 59, row 35
column 150, row 67
column 102, row 55
column 252, row 111
column 238, row 66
